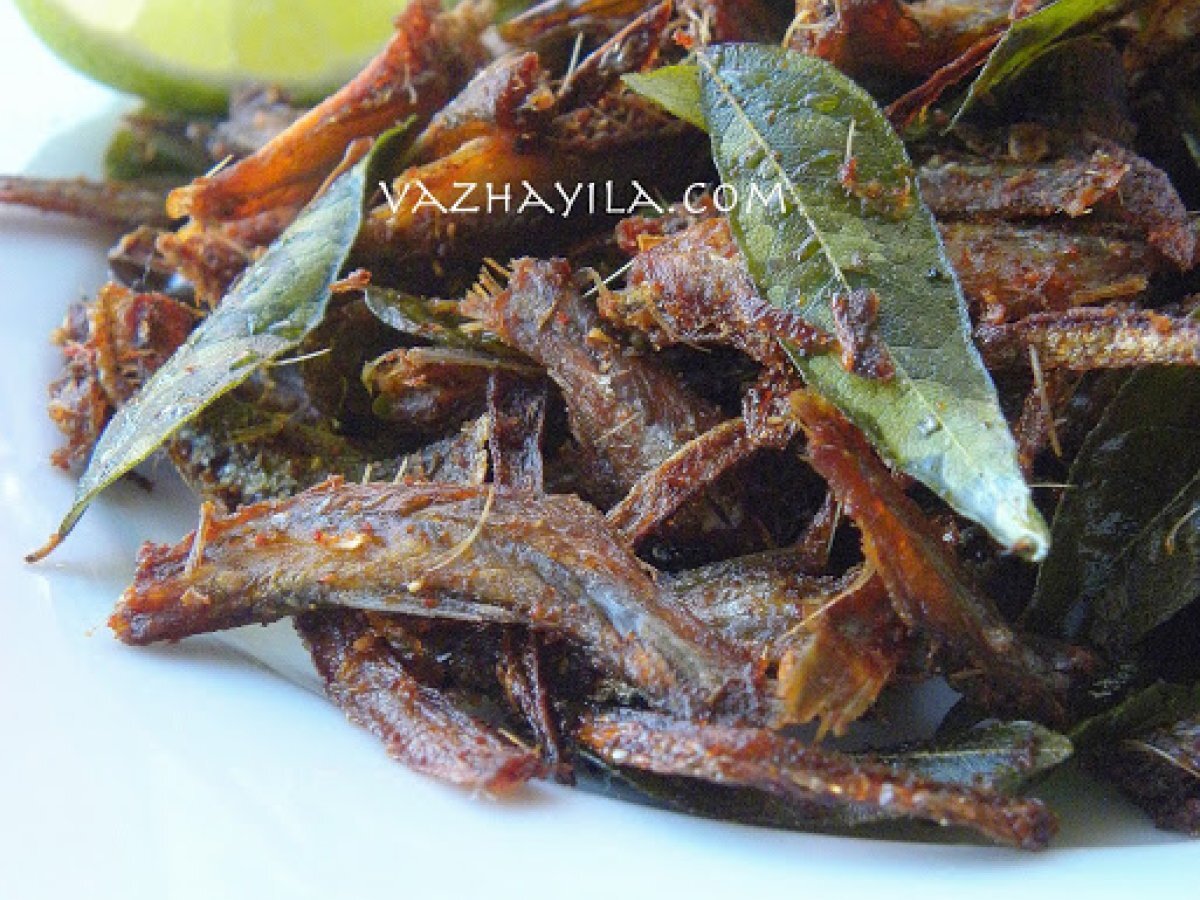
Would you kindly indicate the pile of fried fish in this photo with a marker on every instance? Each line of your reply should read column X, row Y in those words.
column 658, row 491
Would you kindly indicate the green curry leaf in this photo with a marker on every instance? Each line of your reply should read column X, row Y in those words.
column 429, row 319
column 154, row 144
column 851, row 220
column 278, row 300
column 1032, row 37
column 675, row 88
column 1127, row 530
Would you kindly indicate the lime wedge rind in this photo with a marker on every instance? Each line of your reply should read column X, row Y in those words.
column 181, row 55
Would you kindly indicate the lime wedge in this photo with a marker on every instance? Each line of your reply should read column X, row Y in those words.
column 188, row 54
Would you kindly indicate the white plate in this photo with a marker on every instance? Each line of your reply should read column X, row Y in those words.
column 214, row 769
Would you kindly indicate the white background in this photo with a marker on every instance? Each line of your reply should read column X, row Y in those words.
column 196, row 771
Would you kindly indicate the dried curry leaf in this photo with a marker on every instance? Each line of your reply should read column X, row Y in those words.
column 153, row 144
column 1127, row 529
column 1187, row 112
column 1155, row 706
column 1000, row 754
column 724, row 803
column 1032, row 37
column 851, row 220
column 268, row 312
column 429, row 319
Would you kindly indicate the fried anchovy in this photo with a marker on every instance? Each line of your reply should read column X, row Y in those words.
column 689, row 472
column 977, row 191
column 125, row 206
column 880, row 42
column 627, row 410
column 680, row 478
column 428, row 58
column 551, row 15
column 904, row 109
column 432, row 389
column 833, row 643
column 257, row 115
column 1009, row 270
column 929, row 592
column 509, row 191
column 277, row 452
column 1037, row 426
column 762, row 759
column 1149, row 202
column 420, row 726
column 1084, row 339
column 634, row 47
column 1112, row 185
column 524, row 682
column 694, row 288
column 482, row 553
column 517, row 414
column 502, row 94
column 816, row 543
column 109, row 347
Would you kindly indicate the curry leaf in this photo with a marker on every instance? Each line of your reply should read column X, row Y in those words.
column 1127, row 530
column 1187, row 111
column 278, row 300
column 851, row 220
column 1152, row 707
column 1000, row 754
column 1032, row 37
column 430, row 319
column 149, row 143
column 675, row 88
